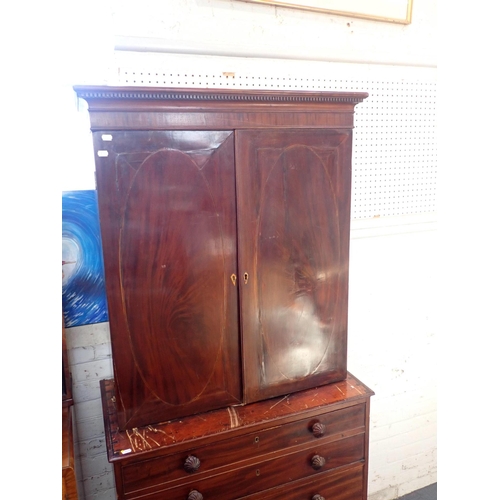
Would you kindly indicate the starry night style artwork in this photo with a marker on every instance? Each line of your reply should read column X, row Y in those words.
column 83, row 292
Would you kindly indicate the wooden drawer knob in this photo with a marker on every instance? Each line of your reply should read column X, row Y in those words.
column 317, row 497
column 195, row 495
column 318, row 429
column 192, row 464
column 317, row 462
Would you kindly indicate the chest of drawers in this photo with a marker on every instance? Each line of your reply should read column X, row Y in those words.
column 308, row 445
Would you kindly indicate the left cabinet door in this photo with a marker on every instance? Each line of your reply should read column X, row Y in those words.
column 167, row 212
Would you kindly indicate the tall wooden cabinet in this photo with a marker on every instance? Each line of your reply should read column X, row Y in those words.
column 225, row 227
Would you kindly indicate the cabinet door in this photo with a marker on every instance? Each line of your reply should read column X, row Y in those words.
column 167, row 205
column 293, row 192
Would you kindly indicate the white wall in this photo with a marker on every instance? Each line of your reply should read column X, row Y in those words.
column 232, row 27
column 392, row 348
column 392, row 329
column 89, row 351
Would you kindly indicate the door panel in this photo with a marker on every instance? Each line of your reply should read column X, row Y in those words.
column 167, row 205
column 293, row 192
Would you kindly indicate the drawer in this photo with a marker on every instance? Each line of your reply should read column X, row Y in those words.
column 344, row 484
column 228, row 453
column 267, row 474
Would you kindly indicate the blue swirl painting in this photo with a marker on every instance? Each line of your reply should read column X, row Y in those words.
column 83, row 291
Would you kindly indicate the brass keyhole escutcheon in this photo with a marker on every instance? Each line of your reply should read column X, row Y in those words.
column 245, row 278
column 233, row 279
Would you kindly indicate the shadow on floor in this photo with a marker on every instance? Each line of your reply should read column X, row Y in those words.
column 427, row 493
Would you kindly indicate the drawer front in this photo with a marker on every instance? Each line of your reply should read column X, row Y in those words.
column 270, row 473
column 346, row 484
column 229, row 452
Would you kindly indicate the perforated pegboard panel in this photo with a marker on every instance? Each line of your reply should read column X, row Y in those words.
column 394, row 153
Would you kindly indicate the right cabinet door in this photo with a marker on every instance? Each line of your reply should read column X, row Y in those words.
column 293, row 205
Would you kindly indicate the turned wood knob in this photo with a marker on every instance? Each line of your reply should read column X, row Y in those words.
column 192, row 464
column 318, row 429
column 196, row 495
column 317, row 462
column 317, row 497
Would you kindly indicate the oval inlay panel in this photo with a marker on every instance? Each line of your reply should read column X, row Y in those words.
column 171, row 266
column 298, row 261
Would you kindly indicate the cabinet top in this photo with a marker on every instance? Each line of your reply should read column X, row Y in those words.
column 152, row 108
column 182, row 433
column 274, row 97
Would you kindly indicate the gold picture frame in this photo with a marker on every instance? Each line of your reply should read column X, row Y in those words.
column 393, row 11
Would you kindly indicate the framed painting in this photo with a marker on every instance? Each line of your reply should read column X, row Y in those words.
column 83, row 290
column 394, row 11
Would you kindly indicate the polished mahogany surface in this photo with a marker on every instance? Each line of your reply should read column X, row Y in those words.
column 254, row 450
column 69, row 486
column 225, row 226
column 67, row 391
column 211, row 426
column 167, row 203
column 148, row 108
column 343, row 484
column 293, row 192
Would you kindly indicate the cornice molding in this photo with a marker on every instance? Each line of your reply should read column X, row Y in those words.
column 158, row 94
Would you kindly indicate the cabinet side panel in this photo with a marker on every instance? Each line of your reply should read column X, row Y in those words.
column 293, row 191
column 166, row 202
